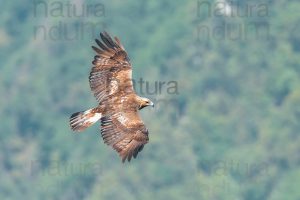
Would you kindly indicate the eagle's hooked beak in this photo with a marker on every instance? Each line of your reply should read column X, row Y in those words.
column 151, row 104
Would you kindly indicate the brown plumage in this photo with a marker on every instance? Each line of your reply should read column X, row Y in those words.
column 110, row 81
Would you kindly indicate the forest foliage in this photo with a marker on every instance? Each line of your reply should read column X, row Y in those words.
column 225, row 81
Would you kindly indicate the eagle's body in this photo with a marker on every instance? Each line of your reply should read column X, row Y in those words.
column 111, row 83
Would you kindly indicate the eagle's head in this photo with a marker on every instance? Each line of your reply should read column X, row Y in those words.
column 144, row 102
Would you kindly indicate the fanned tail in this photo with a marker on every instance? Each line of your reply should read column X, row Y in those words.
column 79, row 121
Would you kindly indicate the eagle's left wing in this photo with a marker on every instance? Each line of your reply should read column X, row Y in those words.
column 112, row 71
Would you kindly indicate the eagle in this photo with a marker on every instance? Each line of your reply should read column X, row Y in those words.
column 111, row 83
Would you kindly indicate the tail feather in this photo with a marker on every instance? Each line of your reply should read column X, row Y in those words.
column 82, row 120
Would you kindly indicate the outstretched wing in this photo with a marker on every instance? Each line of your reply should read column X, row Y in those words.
column 125, row 132
column 112, row 71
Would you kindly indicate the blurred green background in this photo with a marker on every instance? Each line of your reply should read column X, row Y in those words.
column 226, row 121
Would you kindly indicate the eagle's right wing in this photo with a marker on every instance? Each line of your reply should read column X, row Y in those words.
column 112, row 71
column 125, row 132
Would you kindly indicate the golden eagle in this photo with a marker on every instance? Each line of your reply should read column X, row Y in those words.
column 111, row 82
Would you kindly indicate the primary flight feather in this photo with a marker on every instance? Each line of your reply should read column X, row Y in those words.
column 111, row 82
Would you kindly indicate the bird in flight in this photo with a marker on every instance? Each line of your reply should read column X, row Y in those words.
column 111, row 82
